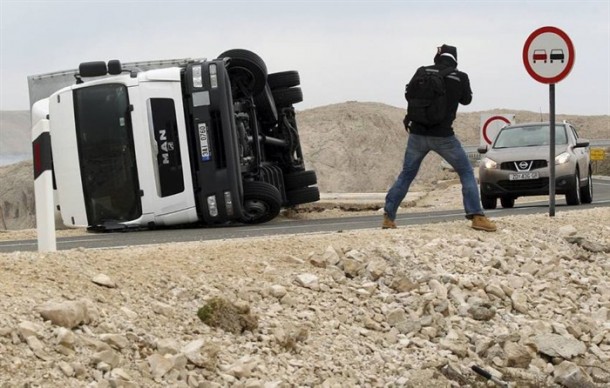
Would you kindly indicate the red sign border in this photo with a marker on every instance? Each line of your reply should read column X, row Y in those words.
column 489, row 120
column 571, row 51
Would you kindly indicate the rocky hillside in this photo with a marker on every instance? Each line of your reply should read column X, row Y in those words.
column 15, row 135
column 354, row 147
column 17, row 196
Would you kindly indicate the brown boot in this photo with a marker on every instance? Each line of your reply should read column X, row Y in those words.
column 388, row 223
column 483, row 223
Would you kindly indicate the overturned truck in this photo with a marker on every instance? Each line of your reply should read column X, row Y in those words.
column 206, row 142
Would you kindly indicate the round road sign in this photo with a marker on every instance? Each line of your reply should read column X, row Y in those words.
column 494, row 123
column 548, row 55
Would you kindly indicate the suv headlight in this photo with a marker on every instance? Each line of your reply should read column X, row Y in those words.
column 562, row 158
column 489, row 163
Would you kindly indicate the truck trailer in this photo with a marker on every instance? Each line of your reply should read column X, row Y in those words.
column 206, row 142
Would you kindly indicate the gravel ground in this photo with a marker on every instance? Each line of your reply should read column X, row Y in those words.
column 413, row 307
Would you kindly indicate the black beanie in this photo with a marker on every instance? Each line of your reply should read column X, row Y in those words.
column 451, row 51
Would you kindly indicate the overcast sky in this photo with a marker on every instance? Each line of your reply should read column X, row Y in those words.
column 344, row 50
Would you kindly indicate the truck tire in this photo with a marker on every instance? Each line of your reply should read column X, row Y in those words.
column 284, row 79
column 287, row 96
column 304, row 195
column 262, row 202
column 246, row 70
column 300, row 179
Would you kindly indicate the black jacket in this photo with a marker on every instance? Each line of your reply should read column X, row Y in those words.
column 458, row 89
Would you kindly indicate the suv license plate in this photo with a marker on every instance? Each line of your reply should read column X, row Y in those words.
column 520, row 176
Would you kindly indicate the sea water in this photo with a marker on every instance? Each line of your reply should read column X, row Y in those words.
column 5, row 160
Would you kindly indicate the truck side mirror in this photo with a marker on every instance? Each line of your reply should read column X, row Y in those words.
column 114, row 67
column 92, row 69
column 482, row 149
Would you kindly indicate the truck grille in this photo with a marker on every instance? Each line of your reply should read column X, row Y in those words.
column 219, row 153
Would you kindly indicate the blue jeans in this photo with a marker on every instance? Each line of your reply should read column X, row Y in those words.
column 451, row 150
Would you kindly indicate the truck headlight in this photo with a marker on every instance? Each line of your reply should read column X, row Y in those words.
column 489, row 163
column 213, row 76
column 212, row 206
column 562, row 158
column 197, row 80
column 228, row 203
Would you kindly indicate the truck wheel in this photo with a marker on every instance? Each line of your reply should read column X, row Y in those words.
column 586, row 192
column 287, row 96
column 262, row 202
column 304, row 195
column 300, row 179
column 247, row 71
column 284, row 79
column 573, row 193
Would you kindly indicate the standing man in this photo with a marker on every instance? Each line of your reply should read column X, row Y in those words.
column 436, row 134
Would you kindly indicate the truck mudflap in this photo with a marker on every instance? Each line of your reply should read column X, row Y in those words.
column 213, row 145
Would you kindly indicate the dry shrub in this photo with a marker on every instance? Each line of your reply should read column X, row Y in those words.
column 221, row 313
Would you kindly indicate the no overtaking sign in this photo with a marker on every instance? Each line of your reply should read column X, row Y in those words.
column 548, row 55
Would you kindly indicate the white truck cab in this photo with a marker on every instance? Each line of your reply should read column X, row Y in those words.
column 208, row 142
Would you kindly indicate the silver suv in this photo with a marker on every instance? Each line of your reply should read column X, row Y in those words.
column 517, row 165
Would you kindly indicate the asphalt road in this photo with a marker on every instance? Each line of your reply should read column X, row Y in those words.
column 601, row 198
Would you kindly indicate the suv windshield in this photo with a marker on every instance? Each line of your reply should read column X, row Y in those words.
column 106, row 153
column 529, row 136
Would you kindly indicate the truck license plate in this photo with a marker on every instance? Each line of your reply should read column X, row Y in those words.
column 520, row 176
column 204, row 142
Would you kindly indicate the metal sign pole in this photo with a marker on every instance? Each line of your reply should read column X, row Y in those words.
column 551, row 40
column 552, row 152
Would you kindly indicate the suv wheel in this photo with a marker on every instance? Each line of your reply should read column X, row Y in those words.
column 586, row 192
column 507, row 202
column 489, row 202
column 262, row 202
column 573, row 193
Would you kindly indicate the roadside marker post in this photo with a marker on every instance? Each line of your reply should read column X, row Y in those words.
column 548, row 56
column 43, row 187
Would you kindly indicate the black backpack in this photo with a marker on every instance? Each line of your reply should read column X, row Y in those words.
column 426, row 97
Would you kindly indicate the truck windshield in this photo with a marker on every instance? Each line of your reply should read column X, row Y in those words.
column 106, row 154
